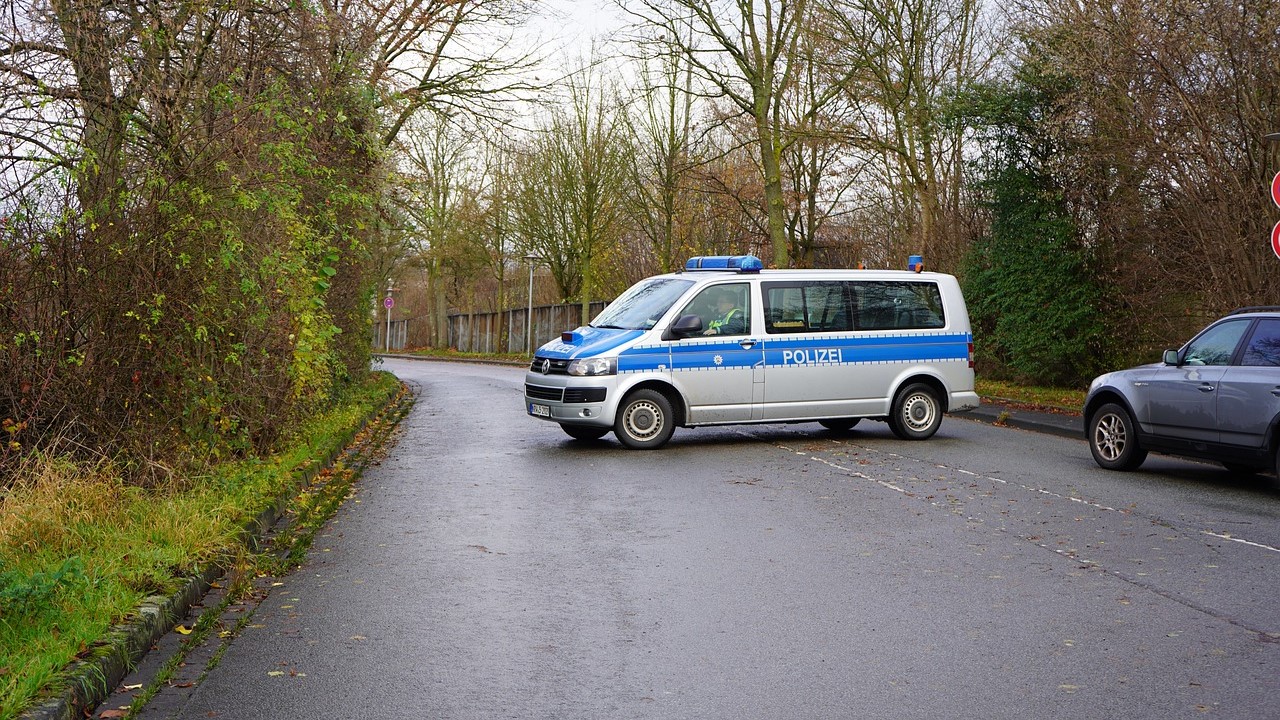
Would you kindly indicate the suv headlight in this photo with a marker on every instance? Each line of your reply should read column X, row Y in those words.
column 593, row 366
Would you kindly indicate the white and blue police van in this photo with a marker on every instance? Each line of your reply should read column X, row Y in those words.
column 727, row 342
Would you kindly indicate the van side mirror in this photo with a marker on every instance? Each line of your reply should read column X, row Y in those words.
column 684, row 326
column 1171, row 357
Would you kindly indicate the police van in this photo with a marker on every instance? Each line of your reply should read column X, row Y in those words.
column 725, row 342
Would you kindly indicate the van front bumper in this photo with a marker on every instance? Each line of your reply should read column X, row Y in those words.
column 555, row 399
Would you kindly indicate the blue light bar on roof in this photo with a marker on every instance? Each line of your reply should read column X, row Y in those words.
column 741, row 263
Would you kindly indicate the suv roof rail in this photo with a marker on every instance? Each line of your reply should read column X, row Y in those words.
column 1255, row 308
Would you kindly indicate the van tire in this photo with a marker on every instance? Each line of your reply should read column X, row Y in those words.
column 1113, row 439
column 583, row 432
column 839, row 424
column 645, row 420
column 916, row 412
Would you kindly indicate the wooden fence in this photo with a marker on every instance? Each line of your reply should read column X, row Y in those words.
column 506, row 331
column 485, row 332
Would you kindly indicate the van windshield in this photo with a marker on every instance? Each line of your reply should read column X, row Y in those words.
column 643, row 304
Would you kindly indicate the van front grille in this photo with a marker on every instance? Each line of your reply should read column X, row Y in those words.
column 584, row 395
column 537, row 392
column 549, row 366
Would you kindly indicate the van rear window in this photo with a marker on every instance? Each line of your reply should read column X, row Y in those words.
column 842, row 306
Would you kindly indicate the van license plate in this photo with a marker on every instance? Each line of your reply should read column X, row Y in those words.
column 539, row 410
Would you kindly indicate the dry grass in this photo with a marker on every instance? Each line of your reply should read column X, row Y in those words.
column 80, row 548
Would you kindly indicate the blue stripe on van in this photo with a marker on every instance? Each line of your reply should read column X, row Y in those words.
column 861, row 349
column 644, row 358
column 782, row 351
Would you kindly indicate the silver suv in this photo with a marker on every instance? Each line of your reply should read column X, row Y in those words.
column 1218, row 398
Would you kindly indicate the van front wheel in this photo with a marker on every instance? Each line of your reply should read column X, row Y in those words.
column 645, row 420
column 916, row 413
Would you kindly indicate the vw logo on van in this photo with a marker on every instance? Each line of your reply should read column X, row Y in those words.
column 546, row 366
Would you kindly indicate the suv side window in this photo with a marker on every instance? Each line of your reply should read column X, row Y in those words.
column 1217, row 345
column 1264, row 345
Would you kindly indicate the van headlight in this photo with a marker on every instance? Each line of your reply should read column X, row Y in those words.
column 593, row 366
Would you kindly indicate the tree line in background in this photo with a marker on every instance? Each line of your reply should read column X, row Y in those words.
column 1096, row 173
column 201, row 203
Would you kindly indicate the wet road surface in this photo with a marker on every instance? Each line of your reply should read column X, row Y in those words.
column 490, row 567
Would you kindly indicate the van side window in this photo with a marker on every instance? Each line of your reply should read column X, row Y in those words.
column 895, row 305
column 725, row 309
column 799, row 307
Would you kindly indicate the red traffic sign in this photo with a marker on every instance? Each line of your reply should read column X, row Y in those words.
column 1275, row 189
column 1275, row 239
column 389, row 302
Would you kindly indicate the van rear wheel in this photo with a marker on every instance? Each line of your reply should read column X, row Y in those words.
column 645, row 420
column 916, row 413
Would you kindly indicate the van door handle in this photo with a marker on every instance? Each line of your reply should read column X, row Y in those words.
column 1205, row 387
column 748, row 344
column 1276, row 391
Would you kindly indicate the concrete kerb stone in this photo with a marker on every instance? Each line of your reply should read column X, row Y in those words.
column 1009, row 414
column 90, row 681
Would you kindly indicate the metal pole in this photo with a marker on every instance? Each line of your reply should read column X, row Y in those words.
column 388, row 304
column 528, row 333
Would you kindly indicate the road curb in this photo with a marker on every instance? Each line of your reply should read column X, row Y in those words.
column 90, row 681
column 1005, row 415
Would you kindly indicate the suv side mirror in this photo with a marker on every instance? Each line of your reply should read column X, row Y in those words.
column 1171, row 357
column 684, row 326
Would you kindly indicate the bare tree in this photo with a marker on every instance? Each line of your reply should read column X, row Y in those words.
column 570, row 201
column 745, row 52
column 662, row 130
column 910, row 57
column 1166, row 109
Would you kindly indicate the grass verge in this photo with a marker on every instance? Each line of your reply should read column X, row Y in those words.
column 1061, row 400
column 80, row 550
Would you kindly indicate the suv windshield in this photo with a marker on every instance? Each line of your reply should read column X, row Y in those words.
column 640, row 307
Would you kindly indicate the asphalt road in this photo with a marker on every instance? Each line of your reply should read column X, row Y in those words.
column 492, row 568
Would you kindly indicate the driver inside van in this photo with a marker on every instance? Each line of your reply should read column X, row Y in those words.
column 730, row 319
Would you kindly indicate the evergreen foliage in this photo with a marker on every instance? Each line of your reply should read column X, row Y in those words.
column 1035, row 303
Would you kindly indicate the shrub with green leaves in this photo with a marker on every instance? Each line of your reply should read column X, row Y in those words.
column 20, row 592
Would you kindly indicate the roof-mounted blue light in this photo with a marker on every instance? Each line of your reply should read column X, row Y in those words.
column 741, row 263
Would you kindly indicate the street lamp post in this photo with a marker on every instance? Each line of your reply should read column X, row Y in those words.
column 388, row 304
column 532, row 259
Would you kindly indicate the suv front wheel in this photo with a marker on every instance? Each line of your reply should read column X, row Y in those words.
column 1113, row 439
